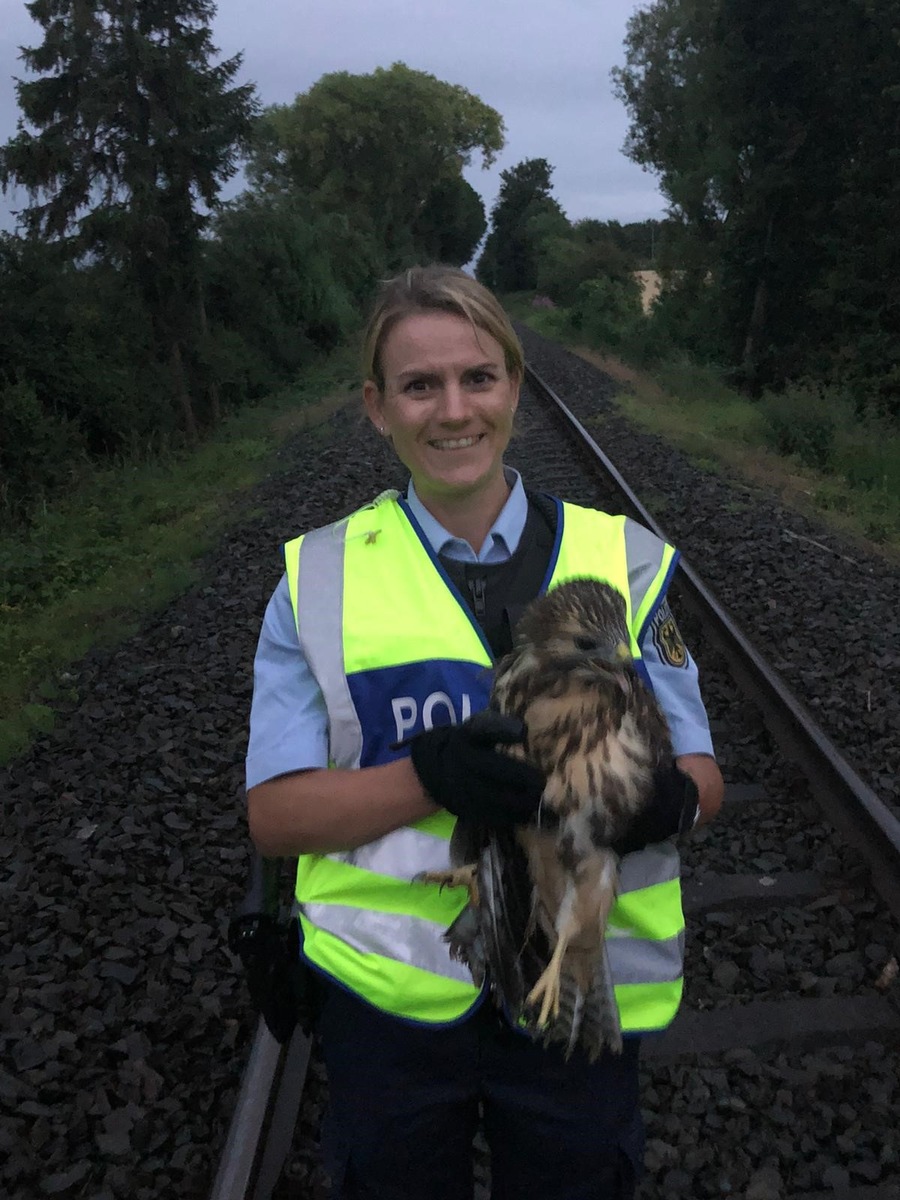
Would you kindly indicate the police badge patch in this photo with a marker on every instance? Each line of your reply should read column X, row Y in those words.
column 667, row 637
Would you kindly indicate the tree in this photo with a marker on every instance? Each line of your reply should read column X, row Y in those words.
column 524, row 216
column 773, row 129
column 451, row 222
column 282, row 284
column 383, row 149
column 582, row 253
column 135, row 128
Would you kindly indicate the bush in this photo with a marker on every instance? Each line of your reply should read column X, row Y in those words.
column 804, row 421
column 274, row 282
column 685, row 320
column 39, row 452
column 607, row 312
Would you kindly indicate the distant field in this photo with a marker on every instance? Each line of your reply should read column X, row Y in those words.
column 650, row 284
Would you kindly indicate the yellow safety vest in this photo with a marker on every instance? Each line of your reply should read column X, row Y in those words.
column 395, row 650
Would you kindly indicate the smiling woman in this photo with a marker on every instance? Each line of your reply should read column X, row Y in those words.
column 367, row 740
column 447, row 404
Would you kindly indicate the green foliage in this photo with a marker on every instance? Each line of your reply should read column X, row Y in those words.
column 644, row 244
column 39, row 452
column 684, row 321
column 380, row 149
column 275, row 285
column 525, row 216
column 820, row 426
column 451, row 222
column 804, row 420
column 77, row 373
column 125, row 539
column 773, row 129
column 605, row 312
column 128, row 132
column 582, row 254
column 605, row 315
column 867, row 455
column 132, row 117
column 137, row 311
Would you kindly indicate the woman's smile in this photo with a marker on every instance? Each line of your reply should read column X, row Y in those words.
column 461, row 443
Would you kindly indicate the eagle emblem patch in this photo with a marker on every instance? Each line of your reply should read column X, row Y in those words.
column 667, row 637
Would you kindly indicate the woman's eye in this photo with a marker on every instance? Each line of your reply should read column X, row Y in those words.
column 481, row 378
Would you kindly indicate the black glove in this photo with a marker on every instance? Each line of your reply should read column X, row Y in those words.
column 461, row 769
column 671, row 810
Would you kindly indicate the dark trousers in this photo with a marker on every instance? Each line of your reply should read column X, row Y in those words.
column 405, row 1103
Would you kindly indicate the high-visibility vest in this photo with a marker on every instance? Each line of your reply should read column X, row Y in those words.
column 395, row 650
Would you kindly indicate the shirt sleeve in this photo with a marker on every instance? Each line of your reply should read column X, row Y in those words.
column 675, row 680
column 288, row 719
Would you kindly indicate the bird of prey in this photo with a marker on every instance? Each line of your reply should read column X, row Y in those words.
column 540, row 894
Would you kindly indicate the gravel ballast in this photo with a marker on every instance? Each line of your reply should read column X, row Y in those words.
column 124, row 1019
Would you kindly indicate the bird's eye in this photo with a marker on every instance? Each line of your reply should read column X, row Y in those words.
column 586, row 643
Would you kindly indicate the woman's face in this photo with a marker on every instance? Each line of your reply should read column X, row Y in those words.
column 448, row 405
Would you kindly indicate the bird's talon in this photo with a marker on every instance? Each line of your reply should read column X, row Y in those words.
column 458, row 877
column 547, row 991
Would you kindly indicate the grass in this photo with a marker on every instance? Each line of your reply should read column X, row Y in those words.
column 92, row 567
column 856, row 492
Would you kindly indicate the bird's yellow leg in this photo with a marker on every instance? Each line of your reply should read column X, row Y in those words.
column 454, row 877
column 547, row 987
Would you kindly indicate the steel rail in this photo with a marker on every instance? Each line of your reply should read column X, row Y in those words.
column 261, row 1130
column 850, row 804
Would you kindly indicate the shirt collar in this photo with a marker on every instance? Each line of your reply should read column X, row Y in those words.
column 503, row 536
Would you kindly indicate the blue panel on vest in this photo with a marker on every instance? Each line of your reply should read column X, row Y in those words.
column 394, row 703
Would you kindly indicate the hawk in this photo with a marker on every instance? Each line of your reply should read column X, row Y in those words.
column 540, row 894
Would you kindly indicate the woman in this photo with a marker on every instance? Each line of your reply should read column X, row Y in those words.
column 380, row 633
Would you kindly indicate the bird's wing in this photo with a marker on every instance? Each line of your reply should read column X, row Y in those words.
column 515, row 947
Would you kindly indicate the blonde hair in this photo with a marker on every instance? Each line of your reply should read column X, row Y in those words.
column 437, row 288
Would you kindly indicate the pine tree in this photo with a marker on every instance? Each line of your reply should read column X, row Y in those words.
column 126, row 137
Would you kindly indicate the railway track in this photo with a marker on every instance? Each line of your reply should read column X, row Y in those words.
column 779, row 1078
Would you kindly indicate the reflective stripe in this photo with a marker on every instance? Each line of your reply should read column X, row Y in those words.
column 400, row 854
column 394, row 987
column 658, row 863
column 649, row 559
column 397, row 936
column 335, row 882
column 637, row 960
column 409, row 939
column 320, row 608
column 411, row 849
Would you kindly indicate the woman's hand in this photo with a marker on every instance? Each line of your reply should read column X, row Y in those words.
column 462, row 769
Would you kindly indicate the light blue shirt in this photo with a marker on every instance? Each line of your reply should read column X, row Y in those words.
column 288, row 720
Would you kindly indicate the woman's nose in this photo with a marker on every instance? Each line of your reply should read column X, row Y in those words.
column 455, row 406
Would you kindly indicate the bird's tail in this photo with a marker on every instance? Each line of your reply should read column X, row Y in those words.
column 588, row 1017
column 585, row 1013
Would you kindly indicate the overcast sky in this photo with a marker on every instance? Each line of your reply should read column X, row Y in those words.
column 543, row 64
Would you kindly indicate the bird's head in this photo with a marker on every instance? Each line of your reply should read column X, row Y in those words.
column 581, row 620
